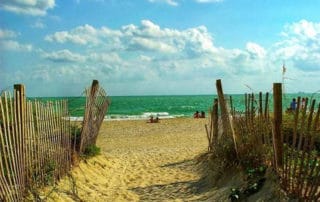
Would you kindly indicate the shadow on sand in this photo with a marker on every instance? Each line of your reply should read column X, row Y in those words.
column 187, row 190
column 184, row 190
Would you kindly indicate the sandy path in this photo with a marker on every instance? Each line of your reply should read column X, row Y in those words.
column 142, row 162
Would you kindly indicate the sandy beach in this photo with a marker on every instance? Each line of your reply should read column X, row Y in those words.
column 141, row 162
column 152, row 162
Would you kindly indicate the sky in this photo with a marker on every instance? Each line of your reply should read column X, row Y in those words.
column 159, row 47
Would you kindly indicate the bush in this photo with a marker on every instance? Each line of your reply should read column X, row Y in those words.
column 49, row 172
column 223, row 151
column 91, row 150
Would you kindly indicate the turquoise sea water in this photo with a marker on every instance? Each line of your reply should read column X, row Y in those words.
column 141, row 107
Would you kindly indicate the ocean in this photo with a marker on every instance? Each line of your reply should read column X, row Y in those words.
column 141, row 107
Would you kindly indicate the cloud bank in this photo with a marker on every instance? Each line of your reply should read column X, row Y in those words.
column 176, row 3
column 8, row 42
column 150, row 59
column 27, row 7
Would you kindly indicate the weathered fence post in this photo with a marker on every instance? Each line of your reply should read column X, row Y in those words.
column 215, row 119
column 94, row 88
column 266, row 108
column 223, row 107
column 96, row 106
column 277, row 122
column 20, row 97
column 246, row 108
column 260, row 104
column 20, row 114
column 252, row 112
column 231, row 105
column 212, row 132
column 226, row 122
column 87, row 122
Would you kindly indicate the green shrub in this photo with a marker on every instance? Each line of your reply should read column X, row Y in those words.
column 91, row 150
column 49, row 172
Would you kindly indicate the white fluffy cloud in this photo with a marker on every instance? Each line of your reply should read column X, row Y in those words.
column 80, row 35
column 109, row 58
column 12, row 45
column 144, row 54
column 170, row 2
column 255, row 50
column 175, row 3
column 146, row 37
column 300, row 46
column 5, row 34
column 164, row 52
column 169, row 50
column 27, row 7
column 149, row 44
column 303, row 29
column 64, row 56
column 208, row 1
column 38, row 24
column 8, row 42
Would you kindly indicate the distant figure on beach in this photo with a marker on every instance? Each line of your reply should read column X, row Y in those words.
column 303, row 103
column 156, row 120
column 203, row 114
column 196, row 115
column 293, row 104
column 152, row 120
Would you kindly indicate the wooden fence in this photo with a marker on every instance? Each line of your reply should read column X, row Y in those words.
column 35, row 139
column 300, row 168
column 259, row 136
column 247, row 130
column 34, row 143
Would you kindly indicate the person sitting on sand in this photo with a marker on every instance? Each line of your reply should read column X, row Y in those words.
column 156, row 120
column 196, row 115
column 203, row 114
column 151, row 120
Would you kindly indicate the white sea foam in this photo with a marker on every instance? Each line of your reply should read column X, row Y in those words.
column 144, row 116
column 76, row 118
column 159, row 114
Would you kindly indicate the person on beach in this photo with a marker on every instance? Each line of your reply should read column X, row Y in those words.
column 293, row 104
column 151, row 119
column 303, row 103
column 156, row 120
column 196, row 115
column 203, row 114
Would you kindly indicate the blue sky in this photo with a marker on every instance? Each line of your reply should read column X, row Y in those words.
column 148, row 47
